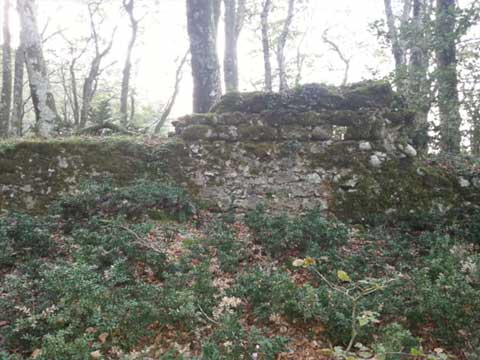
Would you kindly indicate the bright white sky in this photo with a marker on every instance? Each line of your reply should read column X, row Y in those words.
column 164, row 39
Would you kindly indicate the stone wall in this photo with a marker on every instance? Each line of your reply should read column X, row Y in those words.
column 345, row 150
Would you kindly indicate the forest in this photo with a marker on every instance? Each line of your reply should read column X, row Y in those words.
column 240, row 179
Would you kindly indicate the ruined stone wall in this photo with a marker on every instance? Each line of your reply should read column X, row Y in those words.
column 294, row 151
column 345, row 150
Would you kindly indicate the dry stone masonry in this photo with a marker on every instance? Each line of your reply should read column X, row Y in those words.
column 346, row 150
column 290, row 150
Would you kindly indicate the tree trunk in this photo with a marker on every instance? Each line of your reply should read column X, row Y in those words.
column 396, row 37
column 17, row 111
column 42, row 97
column 447, row 80
column 202, row 30
column 234, row 17
column 267, row 5
column 282, row 41
column 419, row 84
column 129, row 8
column 6, row 97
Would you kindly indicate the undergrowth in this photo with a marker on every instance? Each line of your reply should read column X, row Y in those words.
column 126, row 273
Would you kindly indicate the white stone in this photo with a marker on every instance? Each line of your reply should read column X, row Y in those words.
column 375, row 161
column 313, row 178
column 463, row 182
column 409, row 150
column 365, row 146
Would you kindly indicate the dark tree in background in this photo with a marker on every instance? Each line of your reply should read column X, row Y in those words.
column 42, row 96
column 202, row 21
column 6, row 97
column 447, row 78
column 129, row 6
column 234, row 18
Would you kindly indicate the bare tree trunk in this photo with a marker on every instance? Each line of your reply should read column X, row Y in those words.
column 17, row 111
column 6, row 97
column 419, row 97
column 282, row 41
column 171, row 102
column 42, row 97
column 447, row 77
column 234, row 18
column 91, row 81
column 395, row 36
column 202, row 17
column 129, row 6
column 267, row 5
column 341, row 55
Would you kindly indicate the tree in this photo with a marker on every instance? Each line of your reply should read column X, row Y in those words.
column 129, row 6
column 6, row 96
column 447, row 79
column 234, row 18
column 18, row 82
column 90, row 83
column 202, row 20
column 42, row 97
column 265, row 25
column 282, row 41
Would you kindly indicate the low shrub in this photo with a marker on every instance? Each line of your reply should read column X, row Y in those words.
column 158, row 200
column 23, row 237
column 309, row 232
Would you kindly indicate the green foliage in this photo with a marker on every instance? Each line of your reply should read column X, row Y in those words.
column 272, row 292
column 306, row 233
column 230, row 250
column 22, row 237
column 395, row 339
column 101, row 111
column 232, row 341
column 135, row 200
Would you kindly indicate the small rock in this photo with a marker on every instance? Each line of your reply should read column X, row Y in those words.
column 365, row 146
column 409, row 150
column 463, row 182
column 375, row 161
column 313, row 178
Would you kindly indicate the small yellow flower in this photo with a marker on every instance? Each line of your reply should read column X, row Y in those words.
column 309, row 262
column 298, row 262
column 343, row 276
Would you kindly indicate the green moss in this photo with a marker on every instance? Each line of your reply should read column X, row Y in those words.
column 257, row 132
column 395, row 191
column 196, row 132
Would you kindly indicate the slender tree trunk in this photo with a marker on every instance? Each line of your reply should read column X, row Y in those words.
column 6, row 97
column 396, row 37
column 42, row 97
column 282, row 41
column 17, row 111
column 447, row 80
column 202, row 18
column 419, row 84
column 129, row 8
column 171, row 102
column 267, row 5
column 234, row 17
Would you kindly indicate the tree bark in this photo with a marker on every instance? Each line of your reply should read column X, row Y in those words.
column 171, row 102
column 234, row 17
column 91, row 81
column 395, row 36
column 447, row 77
column 265, row 25
column 282, row 41
column 6, row 97
column 17, row 111
column 129, row 6
column 419, row 98
column 42, row 97
column 202, row 30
